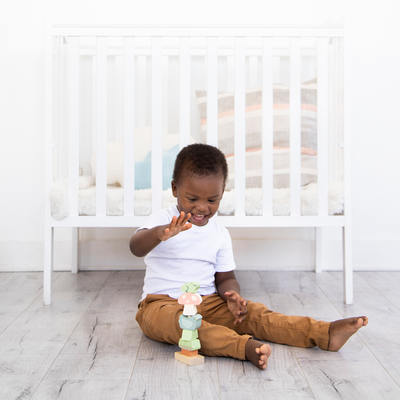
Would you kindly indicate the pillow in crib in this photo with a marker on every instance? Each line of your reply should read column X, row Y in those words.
column 281, row 115
column 115, row 160
column 143, row 169
column 281, row 170
column 281, row 127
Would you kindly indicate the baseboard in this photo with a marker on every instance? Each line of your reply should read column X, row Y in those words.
column 266, row 254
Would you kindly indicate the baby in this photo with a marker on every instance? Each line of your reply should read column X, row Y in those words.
column 184, row 243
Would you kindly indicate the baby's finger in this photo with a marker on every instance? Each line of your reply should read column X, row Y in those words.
column 186, row 227
column 239, row 320
column 186, row 219
column 172, row 225
column 180, row 218
column 183, row 219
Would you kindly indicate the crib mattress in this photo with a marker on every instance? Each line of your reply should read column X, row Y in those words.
column 142, row 206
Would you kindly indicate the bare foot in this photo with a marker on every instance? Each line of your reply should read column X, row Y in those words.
column 258, row 353
column 341, row 330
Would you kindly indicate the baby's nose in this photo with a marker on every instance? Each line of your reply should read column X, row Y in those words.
column 201, row 207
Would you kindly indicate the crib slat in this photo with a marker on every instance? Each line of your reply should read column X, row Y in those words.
column 240, row 127
column 230, row 74
column 101, row 125
column 184, row 92
column 57, row 124
column 156, row 125
column 63, row 106
column 295, row 123
column 212, row 88
column 73, row 124
column 129, row 125
column 323, row 126
column 253, row 71
column 142, row 91
column 165, row 80
column 347, row 123
column 119, row 99
column 267, row 127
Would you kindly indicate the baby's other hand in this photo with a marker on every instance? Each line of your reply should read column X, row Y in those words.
column 237, row 305
column 177, row 225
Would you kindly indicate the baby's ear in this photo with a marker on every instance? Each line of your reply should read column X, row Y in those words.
column 174, row 189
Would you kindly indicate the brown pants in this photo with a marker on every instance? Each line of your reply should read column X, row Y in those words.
column 158, row 317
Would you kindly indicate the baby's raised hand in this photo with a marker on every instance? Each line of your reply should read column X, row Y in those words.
column 237, row 305
column 177, row 225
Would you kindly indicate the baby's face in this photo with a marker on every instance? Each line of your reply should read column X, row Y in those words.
column 199, row 196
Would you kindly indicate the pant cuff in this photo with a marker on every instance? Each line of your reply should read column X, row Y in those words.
column 242, row 346
column 324, row 341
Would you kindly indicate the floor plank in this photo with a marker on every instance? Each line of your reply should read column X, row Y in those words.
column 386, row 283
column 252, row 288
column 380, row 336
column 5, row 275
column 36, row 337
column 105, row 342
column 283, row 378
column 87, row 344
column 17, row 292
column 295, row 293
column 298, row 294
column 157, row 375
column 99, row 389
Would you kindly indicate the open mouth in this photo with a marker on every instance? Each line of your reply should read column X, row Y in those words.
column 198, row 218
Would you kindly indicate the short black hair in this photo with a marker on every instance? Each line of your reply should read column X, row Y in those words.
column 200, row 160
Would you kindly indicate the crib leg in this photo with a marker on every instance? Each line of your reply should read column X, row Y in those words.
column 75, row 251
column 318, row 249
column 48, row 265
column 347, row 265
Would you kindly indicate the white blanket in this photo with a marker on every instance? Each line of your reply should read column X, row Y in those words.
column 115, row 200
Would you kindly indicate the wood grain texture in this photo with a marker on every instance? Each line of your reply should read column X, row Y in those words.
column 295, row 293
column 17, row 292
column 103, row 346
column 371, row 293
column 386, row 283
column 189, row 360
column 283, row 378
column 5, row 275
column 252, row 288
column 33, row 340
column 157, row 375
column 87, row 344
column 99, row 389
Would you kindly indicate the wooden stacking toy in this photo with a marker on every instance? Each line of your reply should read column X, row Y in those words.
column 189, row 322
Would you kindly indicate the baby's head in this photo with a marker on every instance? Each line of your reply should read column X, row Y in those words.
column 199, row 179
column 200, row 160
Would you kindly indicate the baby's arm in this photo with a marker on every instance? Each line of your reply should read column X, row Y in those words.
column 145, row 240
column 228, row 288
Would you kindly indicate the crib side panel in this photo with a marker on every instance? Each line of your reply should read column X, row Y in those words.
column 238, row 91
column 129, row 125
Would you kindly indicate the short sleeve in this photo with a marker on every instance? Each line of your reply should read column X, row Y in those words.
column 162, row 217
column 225, row 259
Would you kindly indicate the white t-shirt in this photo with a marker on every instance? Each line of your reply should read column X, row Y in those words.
column 194, row 255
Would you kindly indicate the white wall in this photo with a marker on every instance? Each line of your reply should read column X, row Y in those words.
column 375, row 117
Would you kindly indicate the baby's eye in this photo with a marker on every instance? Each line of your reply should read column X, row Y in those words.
column 192, row 200
column 211, row 201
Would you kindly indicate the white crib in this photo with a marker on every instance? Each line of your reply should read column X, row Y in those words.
column 124, row 85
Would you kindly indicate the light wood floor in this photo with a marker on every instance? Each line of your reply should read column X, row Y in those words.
column 87, row 344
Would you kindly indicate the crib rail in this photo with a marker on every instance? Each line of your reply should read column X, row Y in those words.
column 143, row 75
column 248, row 61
